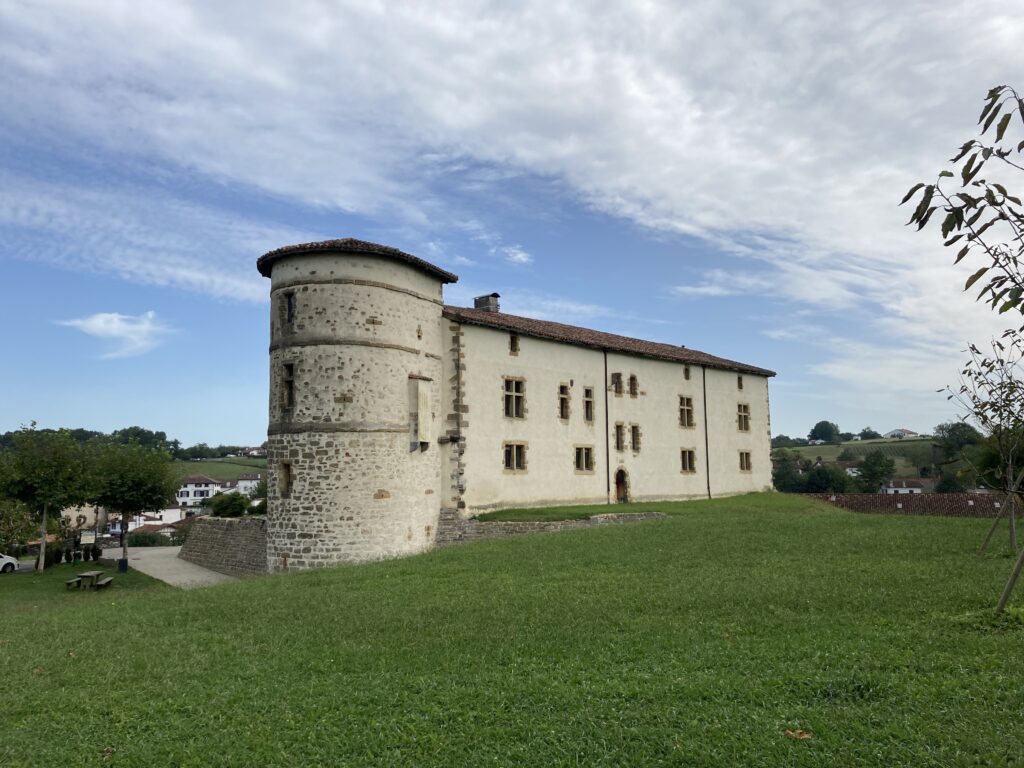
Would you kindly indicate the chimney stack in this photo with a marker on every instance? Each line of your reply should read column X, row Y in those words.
column 488, row 303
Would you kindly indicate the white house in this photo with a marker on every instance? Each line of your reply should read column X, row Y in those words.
column 899, row 434
column 898, row 486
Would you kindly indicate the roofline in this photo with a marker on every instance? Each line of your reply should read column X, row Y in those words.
column 718, row 363
column 265, row 263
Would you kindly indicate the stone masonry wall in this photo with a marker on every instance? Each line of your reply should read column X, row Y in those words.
column 454, row 530
column 931, row 504
column 235, row 546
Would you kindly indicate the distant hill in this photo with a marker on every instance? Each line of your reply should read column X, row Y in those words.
column 221, row 469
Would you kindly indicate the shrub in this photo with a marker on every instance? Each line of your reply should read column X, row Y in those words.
column 147, row 540
column 86, row 554
column 229, row 505
column 52, row 555
column 96, row 551
column 181, row 533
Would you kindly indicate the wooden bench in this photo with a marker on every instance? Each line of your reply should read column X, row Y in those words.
column 76, row 583
column 104, row 582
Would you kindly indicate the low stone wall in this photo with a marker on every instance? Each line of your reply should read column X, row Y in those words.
column 454, row 530
column 236, row 546
column 930, row 504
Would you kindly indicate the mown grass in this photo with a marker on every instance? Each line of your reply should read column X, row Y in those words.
column 694, row 640
column 221, row 469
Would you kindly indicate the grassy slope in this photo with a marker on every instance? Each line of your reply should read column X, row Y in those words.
column 221, row 469
column 894, row 449
column 694, row 640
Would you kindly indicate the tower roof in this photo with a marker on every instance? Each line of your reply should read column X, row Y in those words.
column 265, row 263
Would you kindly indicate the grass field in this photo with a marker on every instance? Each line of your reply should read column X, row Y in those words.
column 695, row 640
column 221, row 469
column 898, row 450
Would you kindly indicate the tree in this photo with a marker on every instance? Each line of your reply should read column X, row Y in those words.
column 824, row 430
column 46, row 472
column 875, row 470
column 869, row 434
column 130, row 480
column 846, row 436
column 229, row 505
column 949, row 483
column 828, row 478
column 786, row 475
column 984, row 220
column 16, row 525
column 782, row 441
column 955, row 435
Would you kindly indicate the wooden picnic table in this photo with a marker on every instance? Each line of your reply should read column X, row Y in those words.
column 89, row 576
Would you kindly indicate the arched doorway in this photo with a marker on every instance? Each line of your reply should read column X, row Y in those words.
column 621, row 487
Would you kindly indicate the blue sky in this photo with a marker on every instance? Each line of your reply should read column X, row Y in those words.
column 723, row 176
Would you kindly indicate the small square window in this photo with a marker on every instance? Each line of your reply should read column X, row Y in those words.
column 584, row 458
column 688, row 459
column 515, row 457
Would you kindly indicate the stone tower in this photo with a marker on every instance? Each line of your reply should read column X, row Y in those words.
column 354, row 472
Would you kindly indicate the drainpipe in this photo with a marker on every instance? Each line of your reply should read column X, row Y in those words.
column 707, row 452
column 607, row 444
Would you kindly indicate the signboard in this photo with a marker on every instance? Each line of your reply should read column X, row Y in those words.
column 88, row 537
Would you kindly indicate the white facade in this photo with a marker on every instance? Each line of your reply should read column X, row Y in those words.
column 387, row 408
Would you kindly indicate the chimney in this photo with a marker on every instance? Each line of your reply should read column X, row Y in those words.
column 488, row 303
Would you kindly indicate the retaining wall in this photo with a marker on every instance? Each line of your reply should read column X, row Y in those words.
column 454, row 530
column 929, row 504
column 236, row 546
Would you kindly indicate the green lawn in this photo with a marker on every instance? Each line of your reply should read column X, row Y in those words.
column 694, row 640
column 221, row 469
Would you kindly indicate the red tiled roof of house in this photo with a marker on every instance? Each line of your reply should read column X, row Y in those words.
column 585, row 337
column 199, row 479
column 265, row 263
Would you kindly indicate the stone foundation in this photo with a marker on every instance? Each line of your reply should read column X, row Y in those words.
column 454, row 530
column 236, row 546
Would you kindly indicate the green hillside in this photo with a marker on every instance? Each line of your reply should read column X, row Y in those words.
column 701, row 639
column 909, row 453
column 221, row 469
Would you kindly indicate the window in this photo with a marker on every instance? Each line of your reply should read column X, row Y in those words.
column 634, row 386
column 689, row 460
column 289, row 302
column 686, row 412
column 634, row 437
column 515, row 457
column 563, row 402
column 686, row 372
column 745, row 461
column 513, row 344
column 183, row 494
column 584, row 458
column 739, row 382
column 743, row 417
column 515, row 399
column 617, row 383
column 588, row 404
column 284, row 480
column 288, row 386
column 620, row 437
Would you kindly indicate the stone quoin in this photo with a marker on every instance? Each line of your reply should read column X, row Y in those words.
column 391, row 412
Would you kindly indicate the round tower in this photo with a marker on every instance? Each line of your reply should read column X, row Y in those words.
column 353, row 466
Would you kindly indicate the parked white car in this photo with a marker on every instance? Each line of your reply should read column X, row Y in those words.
column 8, row 564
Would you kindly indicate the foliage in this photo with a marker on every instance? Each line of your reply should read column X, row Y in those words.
column 875, row 470
column 981, row 216
column 260, row 491
column 147, row 539
column 824, row 430
column 786, row 471
column 828, row 478
column 44, row 471
column 694, row 640
column 229, row 505
column 847, row 454
column 949, row 482
column 846, row 436
column 181, row 532
column 16, row 525
column 955, row 435
column 869, row 434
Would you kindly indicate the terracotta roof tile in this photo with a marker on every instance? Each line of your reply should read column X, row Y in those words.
column 585, row 337
column 265, row 263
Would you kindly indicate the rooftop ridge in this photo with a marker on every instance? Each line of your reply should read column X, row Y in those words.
column 265, row 263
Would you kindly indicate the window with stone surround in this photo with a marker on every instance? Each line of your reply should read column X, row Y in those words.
column 634, row 437
column 745, row 465
column 686, row 372
column 688, row 459
column 286, row 310
column 563, row 402
column 686, row 418
column 584, row 458
column 743, row 417
column 515, row 398
column 514, row 457
column 634, row 386
column 513, row 344
column 617, row 384
column 284, row 480
column 588, row 404
column 288, row 386
column 739, row 382
column 620, row 437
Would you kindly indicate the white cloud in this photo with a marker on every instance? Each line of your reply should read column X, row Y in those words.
column 132, row 335
column 517, row 255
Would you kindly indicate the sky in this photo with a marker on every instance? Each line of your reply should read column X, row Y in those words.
column 722, row 175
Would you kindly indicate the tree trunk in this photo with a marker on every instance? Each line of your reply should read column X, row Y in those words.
column 992, row 530
column 41, row 562
column 124, row 535
column 1013, row 523
column 1008, row 589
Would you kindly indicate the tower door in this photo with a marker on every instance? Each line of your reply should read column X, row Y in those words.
column 621, row 488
